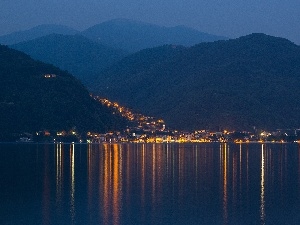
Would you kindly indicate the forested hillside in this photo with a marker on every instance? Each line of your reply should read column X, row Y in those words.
column 36, row 96
column 235, row 84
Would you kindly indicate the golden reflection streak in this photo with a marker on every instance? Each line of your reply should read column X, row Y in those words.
column 234, row 177
column 90, row 179
column 221, row 161
column 299, row 164
column 128, row 171
column 285, row 162
column 143, row 176
column 173, row 174
column 159, row 171
column 46, row 188
column 153, row 173
column 72, row 164
column 247, row 173
column 240, row 183
column 162, row 170
column 262, row 187
column 167, row 160
column 270, row 165
column 196, row 165
column 117, row 175
column 225, row 191
column 59, row 173
column 181, row 171
column 106, row 184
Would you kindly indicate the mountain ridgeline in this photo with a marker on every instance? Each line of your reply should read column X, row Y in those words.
column 251, row 81
column 36, row 32
column 128, row 35
column 86, row 54
column 36, row 96
column 77, row 54
column 133, row 35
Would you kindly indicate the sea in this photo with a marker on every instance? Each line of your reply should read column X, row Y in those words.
column 132, row 183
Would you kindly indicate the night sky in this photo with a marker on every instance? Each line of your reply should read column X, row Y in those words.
column 231, row 18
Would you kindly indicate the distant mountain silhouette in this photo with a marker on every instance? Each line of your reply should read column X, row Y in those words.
column 133, row 35
column 77, row 54
column 36, row 96
column 35, row 32
column 234, row 84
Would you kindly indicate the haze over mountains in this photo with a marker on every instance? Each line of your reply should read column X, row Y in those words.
column 235, row 84
column 128, row 35
column 36, row 32
column 134, row 35
column 87, row 53
column 74, row 53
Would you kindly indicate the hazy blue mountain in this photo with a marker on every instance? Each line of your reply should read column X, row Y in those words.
column 77, row 54
column 36, row 96
column 234, row 84
column 134, row 35
column 35, row 32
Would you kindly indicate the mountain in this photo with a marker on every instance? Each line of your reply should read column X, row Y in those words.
column 134, row 35
column 35, row 32
column 36, row 96
column 234, row 84
column 77, row 54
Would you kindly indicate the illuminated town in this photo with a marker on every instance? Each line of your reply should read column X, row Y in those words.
column 147, row 129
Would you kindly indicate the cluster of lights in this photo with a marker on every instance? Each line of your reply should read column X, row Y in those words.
column 123, row 111
column 128, row 114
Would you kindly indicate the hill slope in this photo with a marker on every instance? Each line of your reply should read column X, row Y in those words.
column 235, row 84
column 35, row 32
column 37, row 96
column 77, row 54
column 134, row 35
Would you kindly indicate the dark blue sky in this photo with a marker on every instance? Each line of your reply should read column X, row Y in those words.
column 232, row 18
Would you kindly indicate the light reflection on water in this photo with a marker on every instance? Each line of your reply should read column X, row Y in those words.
column 150, row 184
column 72, row 175
column 262, row 186
column 59, row 175
column 224, row 160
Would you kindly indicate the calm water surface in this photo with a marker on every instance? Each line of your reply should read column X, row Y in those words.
column 149, row 184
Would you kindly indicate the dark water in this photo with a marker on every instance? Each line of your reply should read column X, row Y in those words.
column 150, row 184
